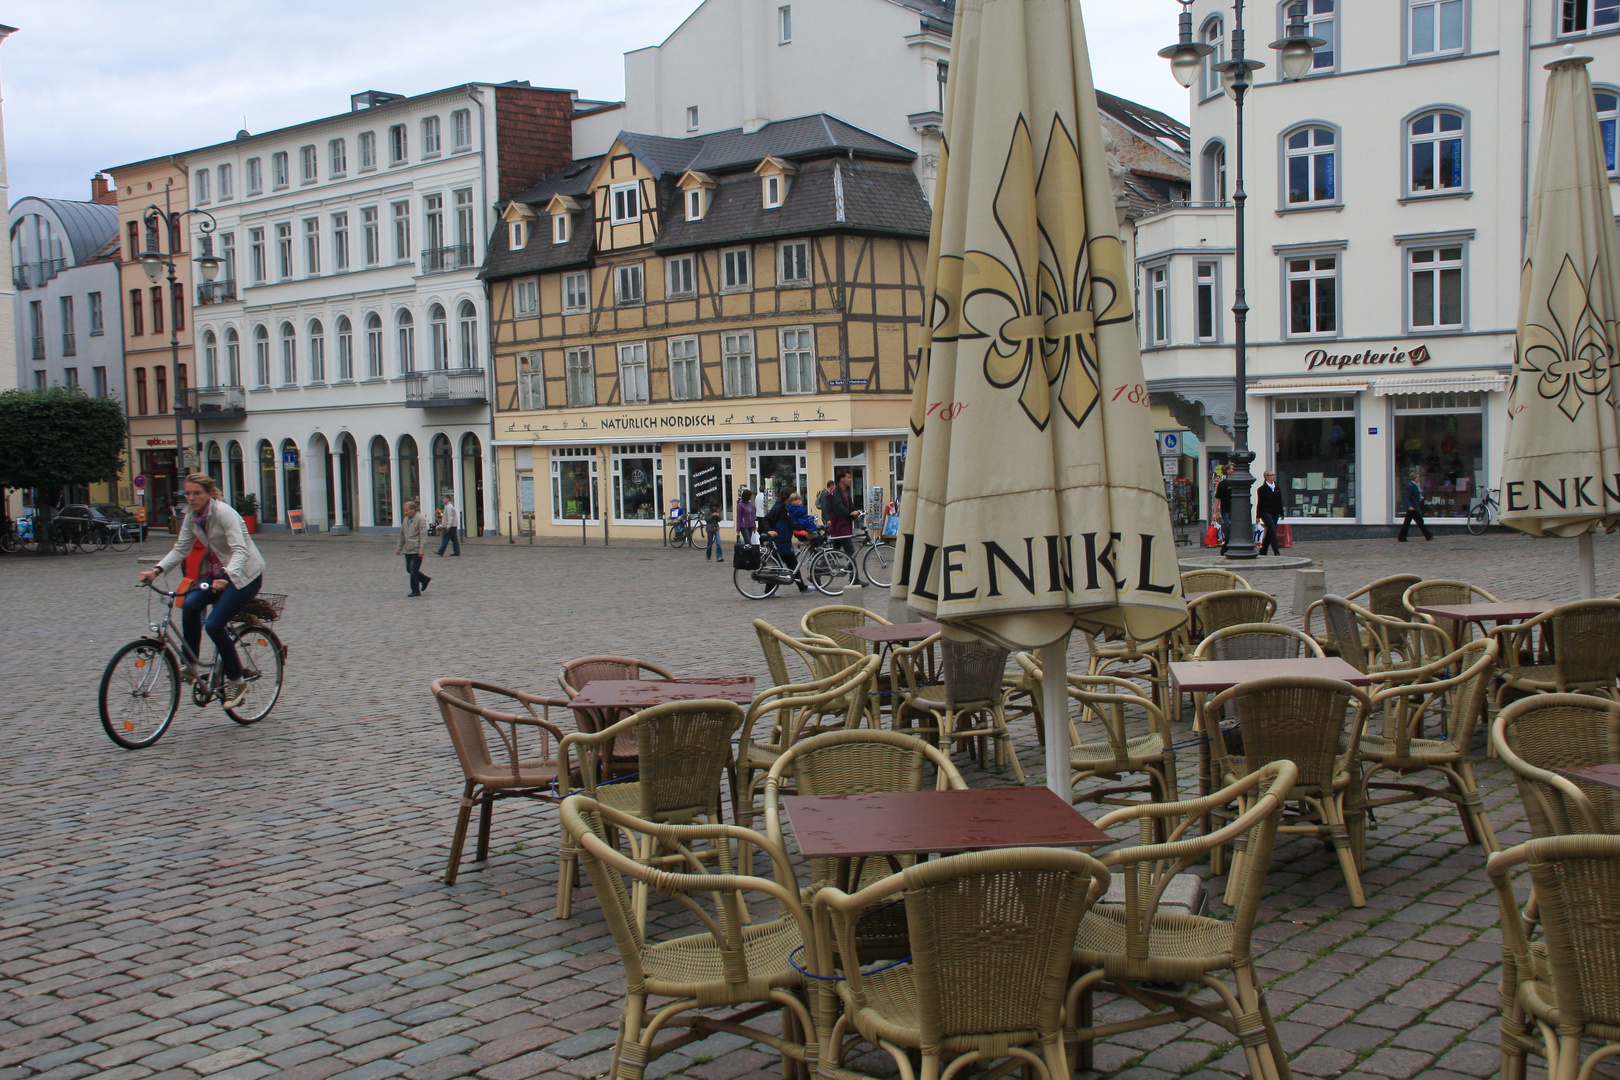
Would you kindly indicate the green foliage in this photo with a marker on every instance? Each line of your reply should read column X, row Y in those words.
column 51, row 438
column 247, row 505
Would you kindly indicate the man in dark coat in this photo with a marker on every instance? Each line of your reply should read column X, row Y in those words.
column 1270, row 507
column 1414, row 508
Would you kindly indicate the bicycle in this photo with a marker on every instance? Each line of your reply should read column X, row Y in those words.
column 825, row 568
column 1480, row 514
column 683, row 530
column 140, row 689
column 876, row 560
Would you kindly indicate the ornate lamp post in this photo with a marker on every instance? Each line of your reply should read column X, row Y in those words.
column 1296, row 49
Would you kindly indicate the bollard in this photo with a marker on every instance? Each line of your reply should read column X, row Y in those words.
column 511, row 537
column 1309, row 587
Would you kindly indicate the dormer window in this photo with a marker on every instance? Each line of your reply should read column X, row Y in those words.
column 694, row 205
column 518, row 237
column 561, row 208
column 626, row 200
column 560, row 228
column 695, row 192
column 773, row 192
column 774, row 174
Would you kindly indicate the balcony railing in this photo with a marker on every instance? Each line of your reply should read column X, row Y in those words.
column 440, row 259
column 216, row 292
column 214, row 403
column 1189, row 204
column 70, row 345
column 19, row 276
column 39, row 348
column 446, row 389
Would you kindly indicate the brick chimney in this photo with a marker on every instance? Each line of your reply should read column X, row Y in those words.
column 101, row 191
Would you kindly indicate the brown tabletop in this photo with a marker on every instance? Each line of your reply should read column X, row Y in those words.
column 1607, row 774
column 641, row 693
column 898, row 634
column 936, row 822
column 1213, row 676
column 1512, row 611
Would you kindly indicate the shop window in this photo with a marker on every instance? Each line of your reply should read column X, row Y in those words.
column 1313, row 294
column 410, row 472
column 704, row 478
column 777, row 463
column 267, row 481
column 382, row 483
column 1435, row 279
column 851, row 456
column 1443, row 436
column 1314, row 444
column 638, row 483
column 573, row 484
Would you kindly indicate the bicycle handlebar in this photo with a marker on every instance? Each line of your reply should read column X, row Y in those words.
column 172, row 595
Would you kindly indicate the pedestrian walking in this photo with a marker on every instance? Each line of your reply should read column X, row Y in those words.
column 1271, row 508
column 711, row 518
column 746, row 516
column 1223, row 505
column 450, row 522
column 412, row 543
column 1414, row 507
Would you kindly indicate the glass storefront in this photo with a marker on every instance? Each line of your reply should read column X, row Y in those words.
column 638, row 483
column 704, row 478
column 267, row 481
column 573, row 484
column 1443, row 436
column 851, row 456
column 291, row 476
column 778, row 462
column 1314, row 443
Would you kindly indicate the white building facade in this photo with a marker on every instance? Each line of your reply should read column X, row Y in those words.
column 1387, row 196
column 341, row 355
column 69, row 320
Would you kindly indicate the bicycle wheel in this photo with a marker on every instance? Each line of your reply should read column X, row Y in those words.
column 1479, row 519
column 751, row 586
column 877, row 565
column 120, row 540
column 94, row 540
column 10, row 543
column 140, row 691
column 263, row 657
column 832, row 571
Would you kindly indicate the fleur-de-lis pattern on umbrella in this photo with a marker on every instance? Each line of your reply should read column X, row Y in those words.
column 1573, row 358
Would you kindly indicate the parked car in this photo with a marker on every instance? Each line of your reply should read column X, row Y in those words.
column 79, row 518
column 114, row 512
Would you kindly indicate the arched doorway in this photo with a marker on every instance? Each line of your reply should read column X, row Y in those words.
column 382, row 483
column 472, row 486
column 235, row 488
column 348, row 480
column 321, row 490
column 410, row 475
column 292, row 483
column 216, row 465
column 267, row 481
column 444, row 477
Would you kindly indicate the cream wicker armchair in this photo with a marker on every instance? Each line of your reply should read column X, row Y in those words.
column 1444, row 591
column 1118, row 655
column 970, row 706
column 1201, row 581
column 1369, row 642
column 831, row 620
column 1536, row 736
column 729, row 963
column 913, row 673
column 1584, row 640
column 1226, row 607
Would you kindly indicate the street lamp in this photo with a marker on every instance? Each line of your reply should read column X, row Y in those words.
column 1296, row 51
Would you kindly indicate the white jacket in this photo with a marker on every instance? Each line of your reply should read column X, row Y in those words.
column 227, row 537
column 448, row 518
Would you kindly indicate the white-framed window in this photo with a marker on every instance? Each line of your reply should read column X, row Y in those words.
column 225, row 178
column 340, row 241
column 784, row 24
column 227, row 252
column 678, row 277
column 696, row 203
column 278, row 170
column 1588, row 16
column 1214, row 172
column 561, row 228
column 638, row 484
column 433, row 228
column 526, row 296
column 703, row 478
column 317, row 352
column 398, row 145
column 289, row 355
column 368, row 151
column 257, row 255
column 255, row 175
column 793, row 263
column 573, row 484
column 373, row 235
column 773, row 192
column 798, row 360
column 1312, row 283
column 405, row 333
column 531, row 382
column 374, row 345
column 581, row 374
column 1607, row 101
column 98, row 315
column 1158, row 325
column 897, row 469
column 1321, row 21
column 337, row 153
column 633, row 373
column 402, row 231
column 312, row 246
column 626, row 203
column 685, row 373
column 627, row 284
column 308, row 168
column 233, row 358
column 1435, row 288
column 1311, row 166
column 430, row 136
column 1206, row 278
column 467, row 334
column 202, row 186
column 691, row 118
column 461, row 129
column 735, row 275
column 210, row 359
column 517, row 235
column 1437, row 153
column 464, row 224
column 1435, row 28
column 737, row 363
column 284, row 249
column 1213, row 34
column 577, row 292
column 438, row 337
column 345, row 349
column 261, row 355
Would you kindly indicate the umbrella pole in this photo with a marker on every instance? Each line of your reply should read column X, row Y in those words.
column 1588, row 566
column 1055, row 711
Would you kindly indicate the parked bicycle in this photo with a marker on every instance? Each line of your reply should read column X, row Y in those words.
column 875, row 557
column 140, row 690
column 685, row 531
column 1482, row 513
column 825, row 568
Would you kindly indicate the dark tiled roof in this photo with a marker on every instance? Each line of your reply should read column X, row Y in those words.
column 573, row 180
column 540, row 253
column 1160, row 129
column 800, row 137
column 662, row 155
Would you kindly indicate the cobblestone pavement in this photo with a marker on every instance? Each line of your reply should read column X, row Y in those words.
column 242, row 902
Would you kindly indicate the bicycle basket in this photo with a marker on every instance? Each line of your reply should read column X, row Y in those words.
column 746, row 556
column 266, row 607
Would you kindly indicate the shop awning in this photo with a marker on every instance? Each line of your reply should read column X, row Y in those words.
column 1439, row 382
column 1307, row 386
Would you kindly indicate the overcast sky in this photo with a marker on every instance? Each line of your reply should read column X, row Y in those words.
column 94, row 83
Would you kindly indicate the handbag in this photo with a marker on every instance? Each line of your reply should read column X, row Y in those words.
column 1285, row 536
column 745, row 556
column 1212, row 537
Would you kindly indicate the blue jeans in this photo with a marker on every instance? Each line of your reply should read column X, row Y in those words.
column 451, row 536
column 413, row 567
column 226, row 603
column 713, row 545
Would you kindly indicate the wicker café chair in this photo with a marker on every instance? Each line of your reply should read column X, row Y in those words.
column 1251, row 641
column 1455, row 688
column 913, row 672
column 972, row 692
column 991, row 935
column 574, row 677
column 729, row 963
column 1565, row 987
column 821, row 659
column 1121, row 947
column 516, row 776
column 1212, row 581
column 1585, row 643
column 1371, row 643
column 685, row 751
column 1448, row 592
column 1538, row 735
column 831, row 620
column 1227, row 607
column 1111, row 654
column 1299, row 719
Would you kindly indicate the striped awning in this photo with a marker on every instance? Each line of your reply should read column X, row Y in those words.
column 1440, row 382
column 1308, row 386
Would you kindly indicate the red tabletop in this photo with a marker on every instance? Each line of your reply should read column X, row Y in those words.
column 1607, row 774
column 1213, row 676
column 899, row 633
column 936, row 822
column 1511, row 611
column 641, row 693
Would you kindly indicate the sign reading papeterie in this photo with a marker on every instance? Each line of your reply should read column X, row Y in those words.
column 1412, row 357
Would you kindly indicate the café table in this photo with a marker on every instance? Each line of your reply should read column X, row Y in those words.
column 1452, row 616
column 1606, row 774
column 644, row 693
column 887, row 637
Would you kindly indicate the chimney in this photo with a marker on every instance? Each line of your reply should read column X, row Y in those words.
column 101, row 191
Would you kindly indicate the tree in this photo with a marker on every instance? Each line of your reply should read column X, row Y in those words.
column 52, row 438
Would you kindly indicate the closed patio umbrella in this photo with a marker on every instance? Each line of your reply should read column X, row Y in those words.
column 1561, row 476
column 1034, row 501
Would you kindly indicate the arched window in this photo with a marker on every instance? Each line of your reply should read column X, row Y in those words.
column 1311, row 166
column 317, row 351
column 374, row 346
column 472, row 486
column 407, row 341
column 382, row 483
column 1214, row 161
column 261, row 354
column 444, row 482
column 410, row 476
column 289, row 360
column 236, row 486
column 1213, row 35
column 1437, row 153
column 345, row 349
column 467, row 318
column 233, row 357
column 1607, row 100
column 291, row 476
column 439, row 337
column 267, row 479
column 210, row 359
column 216, row 464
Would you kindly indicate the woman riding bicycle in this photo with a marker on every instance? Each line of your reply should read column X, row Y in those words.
column 229, row 576
column 780, row 523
